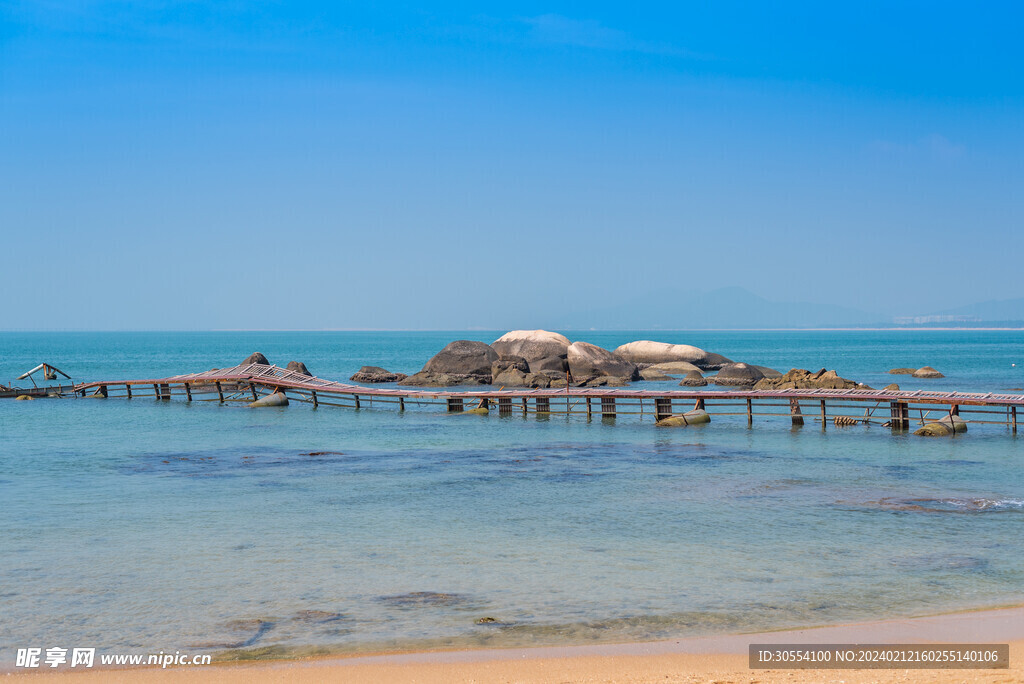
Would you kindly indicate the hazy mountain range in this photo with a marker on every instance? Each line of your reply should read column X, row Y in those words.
column 737, row 308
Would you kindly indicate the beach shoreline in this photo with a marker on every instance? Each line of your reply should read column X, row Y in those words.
column 709, row 658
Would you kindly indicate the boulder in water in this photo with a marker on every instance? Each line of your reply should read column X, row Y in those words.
column 374, row 374
column 693, row 379
column 799, row 378
column 256, row 357
column 902, row 371
column 675, row 367
column 462, row 362
column 588, row 361
column 652, row 374
column 892, row 387
column 647, row 351
column 298, row 367
column 531, row 345
column 737, row 375
column 927, row 372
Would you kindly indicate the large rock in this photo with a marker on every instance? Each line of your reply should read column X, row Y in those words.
column 510, row 377
column 256, row 357
column 652, row 374
column 505, row 363
column 532, row 345
column 463, row 357
column 372, row 374
column 927, row 372
column 590, row 361
column 714, row 362
column 798, row 378
column 675, row 367
column 769, row 372
column 646, row 351
column 902, row 371
column 427, row 379
column 298, row 367
column 553, row 364
column 693, row 379
column 737, row 375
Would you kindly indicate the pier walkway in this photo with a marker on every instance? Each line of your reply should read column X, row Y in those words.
column 893, row 408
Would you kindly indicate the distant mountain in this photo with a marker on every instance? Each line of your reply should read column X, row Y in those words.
column 726, row 308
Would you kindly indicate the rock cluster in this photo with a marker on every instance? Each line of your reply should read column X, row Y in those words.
column 927, row 372
column 798, row 378
column 540, row 358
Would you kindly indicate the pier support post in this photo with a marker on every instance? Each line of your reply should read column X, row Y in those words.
column 252, row 388
column 542, row 405
column 220, row 392
column 504, row 406
column 165, row 392
column 356, row 397
column 401, row 403
column 1013, row 414
column 662, row 408
column 525, row 407
column 316, row 401
column 899, row 415
column 454, row 404
column 188, row 392
column 589, row 409
column 128, row 389
column 607, row 407
column 750, row 412
column 824, row 415
column 794, row 412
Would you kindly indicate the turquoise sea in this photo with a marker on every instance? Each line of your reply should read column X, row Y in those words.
column 144, row 525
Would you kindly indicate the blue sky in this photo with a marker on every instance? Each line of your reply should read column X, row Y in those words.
column 189, row 165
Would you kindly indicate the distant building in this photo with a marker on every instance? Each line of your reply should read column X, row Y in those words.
column 918, row 320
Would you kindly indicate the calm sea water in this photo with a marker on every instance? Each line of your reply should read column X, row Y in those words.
column 153, row 525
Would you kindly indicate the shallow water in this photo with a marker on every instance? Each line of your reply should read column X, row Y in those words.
column 154, row 525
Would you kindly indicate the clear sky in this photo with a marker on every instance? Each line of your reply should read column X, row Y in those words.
column 304, row 165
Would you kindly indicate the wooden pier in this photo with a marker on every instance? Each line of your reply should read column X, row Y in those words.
column 892, row 408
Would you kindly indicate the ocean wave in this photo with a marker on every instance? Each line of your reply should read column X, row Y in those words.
column 950, row 505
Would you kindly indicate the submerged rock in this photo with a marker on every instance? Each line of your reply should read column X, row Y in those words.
column 24, row 397
column 373, row 374
column 927, row 372
column 892, row 387
column 902, row 371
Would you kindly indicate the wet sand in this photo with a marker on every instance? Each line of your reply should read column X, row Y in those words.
column 701, row 659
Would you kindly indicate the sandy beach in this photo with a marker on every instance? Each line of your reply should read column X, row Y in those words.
column 702, row 659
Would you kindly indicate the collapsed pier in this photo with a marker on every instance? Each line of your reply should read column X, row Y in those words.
column 891, row 408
